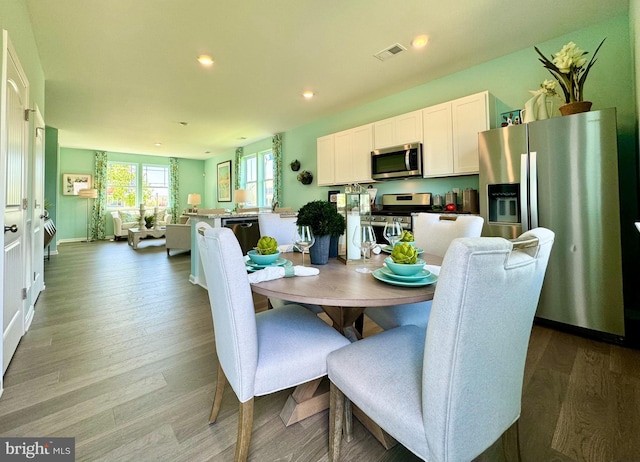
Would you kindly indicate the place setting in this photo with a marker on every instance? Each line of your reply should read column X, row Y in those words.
column 404, row 268
column 394, row 233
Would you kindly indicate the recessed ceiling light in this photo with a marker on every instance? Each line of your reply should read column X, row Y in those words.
column 205, row 60
column 308, row 94
column 157, row 145
column 420, row 41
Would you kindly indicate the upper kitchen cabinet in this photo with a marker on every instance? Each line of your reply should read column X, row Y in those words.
column 326, row 160
column 345, row 157
column 450, row 145
column 398, row 130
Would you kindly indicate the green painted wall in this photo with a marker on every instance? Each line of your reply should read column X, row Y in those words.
column 610, row 83
column 72, row 210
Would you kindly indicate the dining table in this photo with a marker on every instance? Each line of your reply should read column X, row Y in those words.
column 343, row 294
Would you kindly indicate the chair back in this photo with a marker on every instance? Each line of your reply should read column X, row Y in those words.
column 434, row 232
column 234, row 321
column 477, row 340
column 282, row 229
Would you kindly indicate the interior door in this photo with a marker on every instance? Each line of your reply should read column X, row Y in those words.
column 37, row 218
column 14, row 154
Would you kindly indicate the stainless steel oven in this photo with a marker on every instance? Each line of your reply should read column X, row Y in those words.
column 397, row 207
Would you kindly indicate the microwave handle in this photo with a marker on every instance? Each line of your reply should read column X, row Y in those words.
column 407, row 164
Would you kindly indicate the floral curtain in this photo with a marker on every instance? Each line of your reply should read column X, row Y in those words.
column 276, row 142
column 236, row 181
column 174, row 189
column 99, row 214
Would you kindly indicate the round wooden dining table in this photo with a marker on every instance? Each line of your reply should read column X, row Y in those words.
column 343, row 293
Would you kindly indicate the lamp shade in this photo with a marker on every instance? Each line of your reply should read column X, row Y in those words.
column 242, row 195
column 194, row 199
column 88, row 193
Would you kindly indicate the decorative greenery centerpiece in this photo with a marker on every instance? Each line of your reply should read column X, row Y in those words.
column 325, row 221
column 267, row 245
column 149, row 221
column 569, row 67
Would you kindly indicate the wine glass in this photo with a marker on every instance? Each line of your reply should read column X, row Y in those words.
column 365, row 238
column 304, row 239
column 392, row 232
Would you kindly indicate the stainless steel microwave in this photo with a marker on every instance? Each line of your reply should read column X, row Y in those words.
column 397, row 162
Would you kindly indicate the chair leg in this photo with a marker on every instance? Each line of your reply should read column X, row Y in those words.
column 348, row 420
column 217, row 399
column 245, row 425
column 336, row 415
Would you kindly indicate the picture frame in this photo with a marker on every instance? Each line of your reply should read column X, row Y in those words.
column 224, row 181
column 72, row 183
column 511, row 118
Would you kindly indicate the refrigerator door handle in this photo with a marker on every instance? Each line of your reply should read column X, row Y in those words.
column 533, row 188
column 524, row 188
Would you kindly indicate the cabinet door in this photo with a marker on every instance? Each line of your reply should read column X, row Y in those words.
column 470, row 116
column 325, row 160
column 343, row 158
column 361, row 147
column 383, row 134
column 408, row 128
column 437, row 145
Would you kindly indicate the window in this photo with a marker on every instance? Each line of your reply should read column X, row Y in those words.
column 155, row 185
column 122, row 182
column 127, row 188
column 256, row 176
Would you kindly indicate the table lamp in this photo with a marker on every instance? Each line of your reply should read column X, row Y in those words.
column 194, row 199
column 88, row 194
column 241, row 196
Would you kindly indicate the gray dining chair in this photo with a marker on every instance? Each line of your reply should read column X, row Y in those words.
column 449, row 392
column 433, row 233
column 283, row 230
column 262, row 353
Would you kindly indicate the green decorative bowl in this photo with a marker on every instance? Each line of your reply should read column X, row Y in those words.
column 405, row 269
column 259, row 259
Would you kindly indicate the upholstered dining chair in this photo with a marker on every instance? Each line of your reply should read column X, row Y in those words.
column 449, row 392
column 433, row 233
column 283, row 230
column 259, row 353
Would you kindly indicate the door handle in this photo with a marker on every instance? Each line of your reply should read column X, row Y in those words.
column 12, row 228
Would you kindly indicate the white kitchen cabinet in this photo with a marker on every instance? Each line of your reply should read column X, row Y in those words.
column 345, row 157
column 450, row 130
column 402, row 129
column 326, row 160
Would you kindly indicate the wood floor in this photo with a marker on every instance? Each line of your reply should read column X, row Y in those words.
column 121, row 356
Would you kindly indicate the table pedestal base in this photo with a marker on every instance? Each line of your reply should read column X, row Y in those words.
column 304, row 402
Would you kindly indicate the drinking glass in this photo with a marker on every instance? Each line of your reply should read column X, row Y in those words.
column 365, row 238
column 304, row 239
column 392, row 232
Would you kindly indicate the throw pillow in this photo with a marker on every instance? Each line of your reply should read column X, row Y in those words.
column 128, row 216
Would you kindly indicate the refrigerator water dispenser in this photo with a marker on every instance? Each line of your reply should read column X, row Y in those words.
column 504, row 203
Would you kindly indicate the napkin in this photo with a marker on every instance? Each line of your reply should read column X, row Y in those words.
column 434, row 269
column 285, row 248
column 277, row 272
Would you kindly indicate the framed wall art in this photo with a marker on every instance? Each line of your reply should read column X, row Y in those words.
column 224, row 181
column 72, row 183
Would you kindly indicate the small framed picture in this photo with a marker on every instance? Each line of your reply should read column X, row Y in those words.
column 72, row 183
column 511, row 118
column 224, row 181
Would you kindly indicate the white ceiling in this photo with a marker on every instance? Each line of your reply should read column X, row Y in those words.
column 121, row 74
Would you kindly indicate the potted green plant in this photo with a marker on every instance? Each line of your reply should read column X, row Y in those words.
column 325, row 221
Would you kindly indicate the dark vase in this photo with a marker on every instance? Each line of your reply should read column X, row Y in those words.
column 319, row 251
column 333, row 246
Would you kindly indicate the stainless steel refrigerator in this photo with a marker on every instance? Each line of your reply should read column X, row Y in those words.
column 562, row 174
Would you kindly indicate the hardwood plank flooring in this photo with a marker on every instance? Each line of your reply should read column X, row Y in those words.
column 121, row 356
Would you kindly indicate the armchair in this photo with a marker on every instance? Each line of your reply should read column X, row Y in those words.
column 178, row 237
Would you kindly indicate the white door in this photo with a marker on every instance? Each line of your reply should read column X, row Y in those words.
column 13, row 154
column 37, row 218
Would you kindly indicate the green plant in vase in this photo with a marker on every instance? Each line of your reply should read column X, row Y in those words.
column 325, row 221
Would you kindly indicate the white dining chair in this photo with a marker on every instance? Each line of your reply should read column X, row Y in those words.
column 283, row 230
column 259, row 353
column 449, row 392
column 433, row 233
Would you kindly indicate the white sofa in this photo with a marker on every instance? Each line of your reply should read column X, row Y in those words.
column 124, row 219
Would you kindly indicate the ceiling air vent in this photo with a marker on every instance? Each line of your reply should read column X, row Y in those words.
column 390, row 52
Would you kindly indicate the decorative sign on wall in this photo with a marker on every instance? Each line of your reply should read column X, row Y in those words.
column 72, row 183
